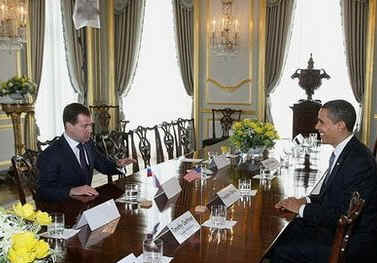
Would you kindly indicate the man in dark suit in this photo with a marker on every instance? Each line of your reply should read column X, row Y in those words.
column 66, row 166
column 308, row 238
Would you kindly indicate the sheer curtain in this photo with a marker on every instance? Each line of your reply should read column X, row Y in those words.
column 158, row 93
column 317, row 29
column 55, row 89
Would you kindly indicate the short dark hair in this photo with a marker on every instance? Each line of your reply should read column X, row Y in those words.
column 71, row 111
column 341, row 110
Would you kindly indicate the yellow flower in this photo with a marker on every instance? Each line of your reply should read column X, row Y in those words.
column 237, row 125
column 43, row 218
column 20, row 255
column 258, row 130
column 41, row 249
column 26, row 211
column 25, row 240
column 269, row 126
column 270, row 134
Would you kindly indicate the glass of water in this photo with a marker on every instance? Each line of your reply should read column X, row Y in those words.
column 131, row 192
column 218, row 215
column 56, row 228
column 152, row 250
column 244, row 185
column 265, row 174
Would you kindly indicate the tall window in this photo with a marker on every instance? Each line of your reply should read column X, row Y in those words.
column 319, row 31
column 157, row 93
column 55, row 89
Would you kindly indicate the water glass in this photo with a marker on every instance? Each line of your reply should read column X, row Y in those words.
column 131, row 192
column 265, row 174
column 152, row 250
column 218, row 215
column 57, row 224
column 244, row 185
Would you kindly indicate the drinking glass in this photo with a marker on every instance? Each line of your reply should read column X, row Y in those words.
column 131, row 192
column 244, row 185
column 152, row 250
column 218, row 215
column 57, row 224
column 265, row 174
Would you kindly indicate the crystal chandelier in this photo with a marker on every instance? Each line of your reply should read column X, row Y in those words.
column 12, row 24
column 224, row 32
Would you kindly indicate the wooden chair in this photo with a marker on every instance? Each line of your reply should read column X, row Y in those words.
column 101, row 118
column 169, row 138
column 344, row 229
column 228, row 116
column 146, row 135
column 26, row 173
column 118, row 145
column 186, row 136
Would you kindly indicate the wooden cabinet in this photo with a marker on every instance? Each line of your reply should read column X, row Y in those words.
column 305, row 117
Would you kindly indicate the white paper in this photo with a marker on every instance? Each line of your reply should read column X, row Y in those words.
column 171, row 187
column 99, row 215
column 189, row 160
column 129, row 259
column 221, row 161
column 299, row 139
column 68, row 233
column 229, row 195
column 228, row 224
column 164, row 259
column 183, row 227
column 271, row 163
column 250, row 193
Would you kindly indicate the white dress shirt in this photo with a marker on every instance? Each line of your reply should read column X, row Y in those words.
column 73, row 144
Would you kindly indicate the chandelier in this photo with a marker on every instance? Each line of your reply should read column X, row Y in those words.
column 12, row 24
column 224, row 32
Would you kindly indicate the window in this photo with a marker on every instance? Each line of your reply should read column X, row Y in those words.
column 55, row 88
column 319, row 31
column 157, row 93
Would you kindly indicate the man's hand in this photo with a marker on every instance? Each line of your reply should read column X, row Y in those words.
column 83, row 190
column 123, row 162
column 291, row 204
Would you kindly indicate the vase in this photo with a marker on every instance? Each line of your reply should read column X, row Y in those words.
column 17, row 97
column 256, row 152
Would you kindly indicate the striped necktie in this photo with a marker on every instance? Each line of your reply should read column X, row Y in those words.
column 83, row 163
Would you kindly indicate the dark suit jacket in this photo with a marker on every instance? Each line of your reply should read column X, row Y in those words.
column 59, row 169
column 355, row 170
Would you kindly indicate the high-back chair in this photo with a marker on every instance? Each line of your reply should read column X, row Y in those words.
column 228, row 116
column 41, row 145
column 185, row 136
column 344, row 229
column 101, row 118
column 169, row 140
column 147, row 136
column 26, row 173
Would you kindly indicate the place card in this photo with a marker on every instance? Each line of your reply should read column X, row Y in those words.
column 171, row 187
column 89, row 238
column 99, row 215
column 129, row 259
column 183, row 227
column 227, row 225
column 67, row 234
column 164, row 259
column 229, row 195
column 192, row 175
column 190, row 160
column 271, row 163
column 258, row 176
column 221, row 161
column 229, row 155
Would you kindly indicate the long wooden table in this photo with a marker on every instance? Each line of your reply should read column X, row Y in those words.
column 258, row 222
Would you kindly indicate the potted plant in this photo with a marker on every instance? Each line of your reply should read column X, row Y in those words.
column 17, row 88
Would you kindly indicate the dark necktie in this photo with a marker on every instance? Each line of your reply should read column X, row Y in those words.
column 83, row 163
column 331, row 161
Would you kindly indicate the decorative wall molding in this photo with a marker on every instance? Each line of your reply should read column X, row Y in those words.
column 229, row 89
column 6, row 126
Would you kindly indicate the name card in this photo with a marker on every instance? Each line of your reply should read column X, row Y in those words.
column 99, row 215
column 129, row 259
column 271, row 163
column 229, row 195
column 299, row 139
column 192, row 175
column 221, row 161
column 184, row 227
column 171, row 187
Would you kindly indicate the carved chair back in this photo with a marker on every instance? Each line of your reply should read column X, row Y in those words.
column 147, row 136
column 228, row 116
column 169, row 138
column 186, row 136
column 344, row 229
column 101, row 118
column 43, row 145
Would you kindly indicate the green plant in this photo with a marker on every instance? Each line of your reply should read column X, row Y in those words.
column 18, row 85
column 251, row 133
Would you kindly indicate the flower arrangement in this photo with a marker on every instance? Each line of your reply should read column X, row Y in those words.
column 18, row 85
column 19, row 240
column 253, row 133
